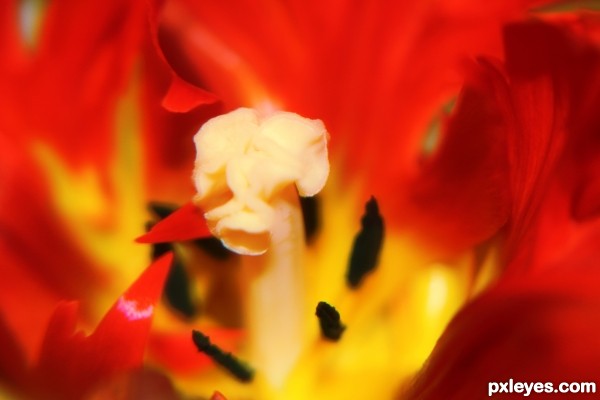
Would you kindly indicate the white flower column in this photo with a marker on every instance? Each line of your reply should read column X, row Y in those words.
column 249, row 172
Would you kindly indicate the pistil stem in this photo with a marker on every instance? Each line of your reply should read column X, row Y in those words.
column 249, row 171
column 274, row 299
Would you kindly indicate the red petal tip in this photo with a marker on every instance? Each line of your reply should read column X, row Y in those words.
column 186, row 223
column 183, row 96
column 218, row 396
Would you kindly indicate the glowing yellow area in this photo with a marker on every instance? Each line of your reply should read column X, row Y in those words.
column 6, row 395
column 104, row 225
column 393, row 319
column 488, row 273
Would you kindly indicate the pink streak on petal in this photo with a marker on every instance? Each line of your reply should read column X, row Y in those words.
column 132, row 310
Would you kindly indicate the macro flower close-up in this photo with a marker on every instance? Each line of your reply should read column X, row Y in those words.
column 299, row 199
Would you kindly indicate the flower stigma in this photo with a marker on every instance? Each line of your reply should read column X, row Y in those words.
column 245, row 162
column 250, row 169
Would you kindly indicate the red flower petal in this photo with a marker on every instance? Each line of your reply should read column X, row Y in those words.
column 13, row 369
column 186, row 223
column 168, row 136
column 515, row 133
column 66, row 92
column 123, row 332
column 376, row 73
column 11, row 45
column 63, row 356
column 171, row 117
column 37, row 250
column 461, row 198
column 586, row 200
column 555, row 90
column 146, row 384
column 182, row 95
column 541, row 329
column 71, row 364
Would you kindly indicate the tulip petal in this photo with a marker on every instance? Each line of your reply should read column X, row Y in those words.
column 144, row 384
column 539, row 329
column 182, row 95
column 375, row 73
column 11, row 44
column 125, row 327
column 555, row 90
column 71, row 364
column 81, row 66
column 12, row 363
column 37, row 250
column 472, row 157
column 516, row 131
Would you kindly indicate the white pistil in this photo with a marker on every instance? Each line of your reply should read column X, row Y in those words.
column 249, row 171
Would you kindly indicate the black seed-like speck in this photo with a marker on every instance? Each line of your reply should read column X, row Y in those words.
column 178, row 291
column 367, row 245
column 329, row 321
column 311, row 216
column 158, row 249
column 161, row 210
column 214, row 247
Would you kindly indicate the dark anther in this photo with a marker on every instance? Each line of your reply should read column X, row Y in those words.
column 310, row 215
column 161, row 210
column 178, row 291
column 158, row 249
column 367, row 245
column 239, row 369
column 330, row 322
column 214, row 247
